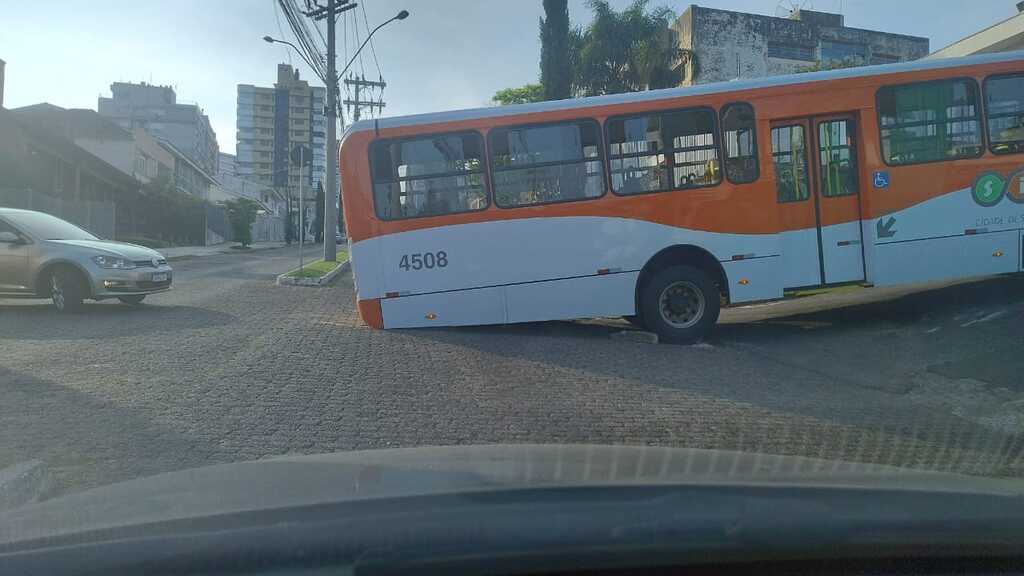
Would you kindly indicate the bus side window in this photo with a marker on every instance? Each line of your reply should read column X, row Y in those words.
column 929, row 122
column 661, row 151
column 739, row 140
column 1004, row 112
column 546, row 163
column 789, row 153
column 428, row 176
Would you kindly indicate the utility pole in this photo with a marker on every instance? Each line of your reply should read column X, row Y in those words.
column 330, row 78
column 302, row 224
column 357, row 104
column 333, row 8
column 330, row 214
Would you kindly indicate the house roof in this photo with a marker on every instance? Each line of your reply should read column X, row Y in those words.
column 58, row 143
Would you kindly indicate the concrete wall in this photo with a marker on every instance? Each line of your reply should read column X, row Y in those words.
column 118, row 153
column 730, row 45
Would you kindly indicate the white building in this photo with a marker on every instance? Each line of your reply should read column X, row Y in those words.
column 1004, row 36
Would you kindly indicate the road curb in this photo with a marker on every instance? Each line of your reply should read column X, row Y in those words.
column 227, row 250
column 21, row 484
column 285, row 280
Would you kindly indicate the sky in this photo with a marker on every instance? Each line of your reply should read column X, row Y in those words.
column 448, row 54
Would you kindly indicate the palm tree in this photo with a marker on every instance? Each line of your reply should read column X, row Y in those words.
column 624, row 51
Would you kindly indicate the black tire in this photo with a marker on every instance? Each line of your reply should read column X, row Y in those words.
column 67, row 290
column 133, row 299
column 680, row 304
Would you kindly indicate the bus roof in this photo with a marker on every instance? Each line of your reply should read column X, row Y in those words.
column 698, row 90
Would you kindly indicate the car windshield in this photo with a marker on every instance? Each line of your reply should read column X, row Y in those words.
column 47, row 227
column 771, row 228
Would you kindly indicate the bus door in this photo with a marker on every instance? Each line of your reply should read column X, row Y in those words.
column 815, row 161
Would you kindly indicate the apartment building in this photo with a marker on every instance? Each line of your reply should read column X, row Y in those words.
column 271, row 122
column 157, row 110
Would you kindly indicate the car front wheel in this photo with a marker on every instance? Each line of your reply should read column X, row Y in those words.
column 67, row 290
column 681, row 304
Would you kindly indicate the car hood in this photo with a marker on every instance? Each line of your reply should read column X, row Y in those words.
column 292, row 481
column 122, row 249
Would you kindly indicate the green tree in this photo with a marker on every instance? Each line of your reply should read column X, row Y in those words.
column 555, row 70
column 242, row 214
column 522, row 95
column 625, row 51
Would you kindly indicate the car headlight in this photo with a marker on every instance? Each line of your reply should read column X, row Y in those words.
column 113, row 262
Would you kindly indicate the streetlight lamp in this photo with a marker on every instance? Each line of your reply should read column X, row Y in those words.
column 331, row 81
column 330, row 247
column 272, row 40
column 400, row 16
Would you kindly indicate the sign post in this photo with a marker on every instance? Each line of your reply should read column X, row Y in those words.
column 302, row 156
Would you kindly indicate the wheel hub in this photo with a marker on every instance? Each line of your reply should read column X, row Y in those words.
column 681, row 304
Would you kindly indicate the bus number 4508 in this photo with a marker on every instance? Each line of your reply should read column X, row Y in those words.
column 427, row 260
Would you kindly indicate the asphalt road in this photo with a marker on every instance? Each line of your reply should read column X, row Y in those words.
column 230, row 367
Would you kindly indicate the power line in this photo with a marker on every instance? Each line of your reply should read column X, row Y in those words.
column 355, row 27
column 306, row 43
column 373, row 50
column 280, row 30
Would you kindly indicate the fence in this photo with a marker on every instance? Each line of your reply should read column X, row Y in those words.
column 100, row 218
column 218, row 228
column 268, row 228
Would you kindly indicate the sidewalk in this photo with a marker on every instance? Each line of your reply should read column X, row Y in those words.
column 180, row 252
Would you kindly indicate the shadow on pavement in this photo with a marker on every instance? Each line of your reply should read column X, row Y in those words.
column 824, row 312
column 827, row 385
column 99, row 320
column 849, row 311
column 85, row 441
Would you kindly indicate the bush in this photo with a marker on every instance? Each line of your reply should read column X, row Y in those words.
column 242, row 213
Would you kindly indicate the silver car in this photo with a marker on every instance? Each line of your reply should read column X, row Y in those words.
column 42, row 256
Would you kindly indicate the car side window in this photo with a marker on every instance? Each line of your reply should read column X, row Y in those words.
column 5, row 227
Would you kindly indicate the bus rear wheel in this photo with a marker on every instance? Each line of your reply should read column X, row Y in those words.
column 680, row 304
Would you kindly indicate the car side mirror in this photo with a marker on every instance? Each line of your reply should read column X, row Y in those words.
column 7, row 237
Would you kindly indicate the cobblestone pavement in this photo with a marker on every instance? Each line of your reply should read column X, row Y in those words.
column 230, row 367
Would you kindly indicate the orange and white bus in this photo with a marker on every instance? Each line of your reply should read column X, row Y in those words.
column 661, row 206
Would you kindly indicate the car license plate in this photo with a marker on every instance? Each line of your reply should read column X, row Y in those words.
column 160, row 277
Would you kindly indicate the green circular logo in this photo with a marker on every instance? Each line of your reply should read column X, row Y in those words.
column 989, row 189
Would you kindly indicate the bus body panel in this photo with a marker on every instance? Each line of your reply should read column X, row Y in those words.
column 948, row 258
column 461, row 308
column 950, row 236
column 761, row 276
column 605, row 295
column 578, row 259
column 799, row 263
column 842, row 252
column 533, row 250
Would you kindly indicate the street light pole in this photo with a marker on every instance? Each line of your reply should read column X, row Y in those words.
column 332, row 189
column 331, row 194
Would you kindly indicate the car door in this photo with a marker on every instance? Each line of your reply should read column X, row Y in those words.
column 14, row 276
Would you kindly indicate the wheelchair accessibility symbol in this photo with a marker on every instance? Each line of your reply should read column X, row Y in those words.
column 881, row 179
